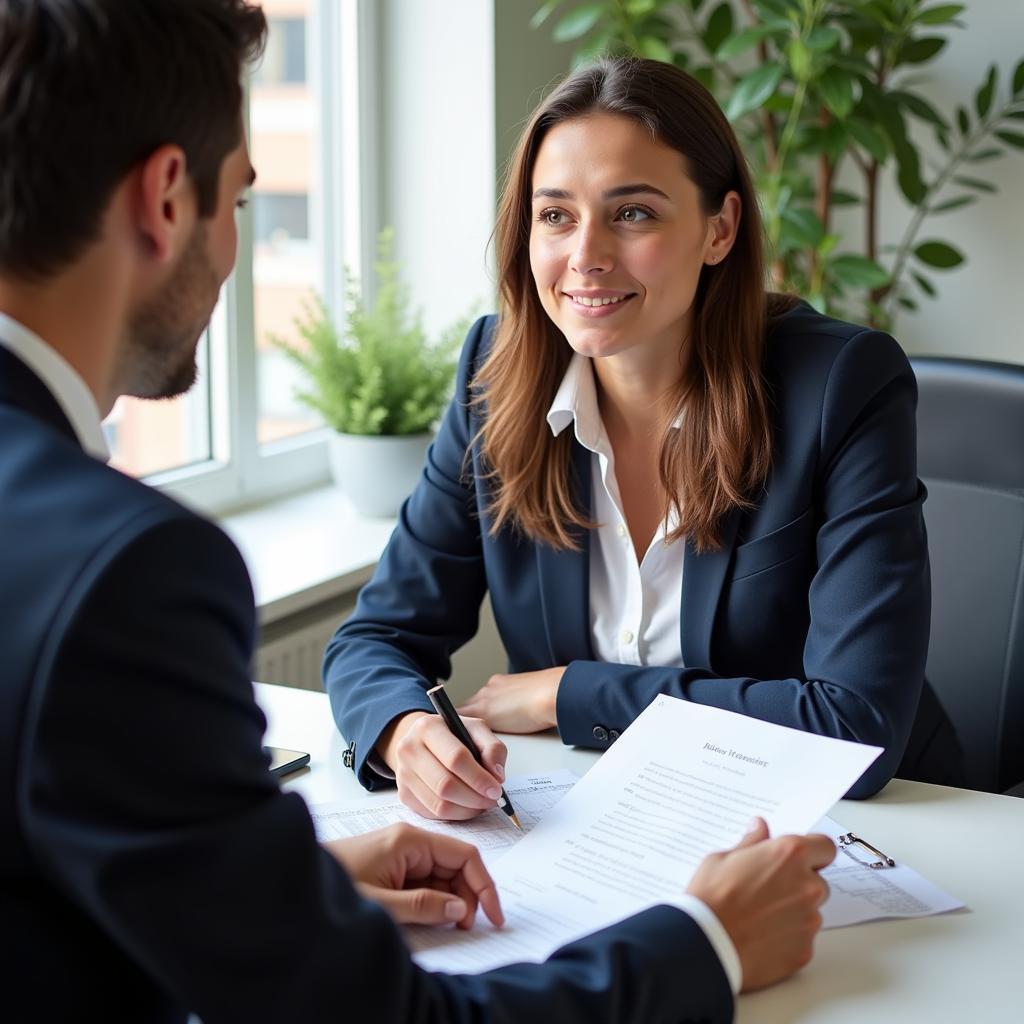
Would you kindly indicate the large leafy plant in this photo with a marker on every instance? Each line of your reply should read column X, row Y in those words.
column 381, row 375
column 826, row 96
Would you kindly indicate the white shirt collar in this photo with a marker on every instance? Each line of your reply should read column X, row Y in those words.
column 62, row 381
column 576, row 402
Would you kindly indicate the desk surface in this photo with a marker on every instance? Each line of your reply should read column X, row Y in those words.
column 965, row 966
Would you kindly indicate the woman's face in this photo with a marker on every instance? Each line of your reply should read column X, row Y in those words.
column 618, row 237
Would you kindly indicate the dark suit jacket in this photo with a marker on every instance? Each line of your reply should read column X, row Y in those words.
column 150, row 865
column 813, row 614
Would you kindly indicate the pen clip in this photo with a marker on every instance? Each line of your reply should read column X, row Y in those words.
column 848, row 839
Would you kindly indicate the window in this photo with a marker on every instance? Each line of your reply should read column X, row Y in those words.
column 240, row 434
column 284, row 62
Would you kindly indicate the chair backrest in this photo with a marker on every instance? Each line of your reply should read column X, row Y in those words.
column 970, row 443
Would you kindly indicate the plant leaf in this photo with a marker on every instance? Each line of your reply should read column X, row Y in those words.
column 543, row 13
column 953, row 204
column 981, row 155
column 740, row 42
column 841, row 198
column 1018, row 78
column 836, row 89
column 917, row 51
column 1011, row 139
column 640, row 7
column 799, row 59
column 858, row 271
column 869, row 137
column 824, row 38
column 909, row 174
column 940, row 255
column 925, row 285
column 718, row 27
column 983, row 97
column 940, row 15
column 975, row 183
column 963, row 121
column 655, row 49
column 706, row 76
column 805, row 227
column 920, row 108
column 753, row 89
column 577, row 23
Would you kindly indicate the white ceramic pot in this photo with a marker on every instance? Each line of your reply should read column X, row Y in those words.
column 377, row 473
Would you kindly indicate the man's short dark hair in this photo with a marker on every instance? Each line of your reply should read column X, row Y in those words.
column 89, row 89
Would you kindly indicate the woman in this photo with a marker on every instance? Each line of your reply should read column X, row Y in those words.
column 667, row 480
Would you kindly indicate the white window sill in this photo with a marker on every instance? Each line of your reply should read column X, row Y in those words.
column 306, row 549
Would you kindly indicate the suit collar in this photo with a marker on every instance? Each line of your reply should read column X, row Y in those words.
column 565, row 586
column 565, row 579
column 65, row 387
column 703, row 578
column 21, row 389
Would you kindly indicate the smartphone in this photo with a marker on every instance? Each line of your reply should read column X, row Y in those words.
column 284, row 761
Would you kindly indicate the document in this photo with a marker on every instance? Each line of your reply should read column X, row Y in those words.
column 858, row 892
column 492, row 833
column 682, row 781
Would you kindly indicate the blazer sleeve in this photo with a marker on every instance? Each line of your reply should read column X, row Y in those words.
column 423, row 601
column 146, row 800
column 869, row 600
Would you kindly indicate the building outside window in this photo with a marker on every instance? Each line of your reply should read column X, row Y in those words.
column 231, row 426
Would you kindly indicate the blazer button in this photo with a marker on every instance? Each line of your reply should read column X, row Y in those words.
column 613, row 735
column 600, row 733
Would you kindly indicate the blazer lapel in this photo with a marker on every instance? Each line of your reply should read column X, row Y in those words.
column 21, row 388
column 703, row 576
column 565, row 580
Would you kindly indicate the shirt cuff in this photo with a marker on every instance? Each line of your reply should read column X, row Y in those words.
column 377, row 764
column 716, row 935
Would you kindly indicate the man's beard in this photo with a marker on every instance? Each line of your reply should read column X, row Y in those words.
column 163, row 334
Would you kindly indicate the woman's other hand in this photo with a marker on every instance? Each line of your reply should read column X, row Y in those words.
column 523, row 702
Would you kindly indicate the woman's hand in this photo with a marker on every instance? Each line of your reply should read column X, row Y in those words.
column 419, row 877
column 523, row 702
column 437, row 776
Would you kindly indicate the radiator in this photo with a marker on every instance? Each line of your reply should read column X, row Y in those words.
column 295, row 657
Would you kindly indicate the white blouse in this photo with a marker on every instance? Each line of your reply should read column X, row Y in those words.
column 634, row 603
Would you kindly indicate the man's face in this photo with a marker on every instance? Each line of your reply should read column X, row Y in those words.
column 164, row 332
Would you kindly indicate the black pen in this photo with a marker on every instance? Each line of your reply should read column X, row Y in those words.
column 444, row 707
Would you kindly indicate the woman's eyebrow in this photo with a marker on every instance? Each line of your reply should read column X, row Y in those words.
column 635, row 188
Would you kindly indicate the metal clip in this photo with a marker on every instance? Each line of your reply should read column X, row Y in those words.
column 849, row 839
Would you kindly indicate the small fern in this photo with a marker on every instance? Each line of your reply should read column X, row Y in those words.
column 381, row 375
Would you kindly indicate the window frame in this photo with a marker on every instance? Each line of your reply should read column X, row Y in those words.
column 341, row 41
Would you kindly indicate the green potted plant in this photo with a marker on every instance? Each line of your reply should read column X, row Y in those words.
column 380, row 383
column 827, row 95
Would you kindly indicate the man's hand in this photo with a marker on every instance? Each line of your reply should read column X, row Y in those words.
column 419, row 877
column 437, row 776
column 766, row 893
column 523, row 702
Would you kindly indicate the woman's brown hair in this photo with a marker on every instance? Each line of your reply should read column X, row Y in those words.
column 722, row 455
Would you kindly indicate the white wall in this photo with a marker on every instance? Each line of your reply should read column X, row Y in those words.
column 437, row 169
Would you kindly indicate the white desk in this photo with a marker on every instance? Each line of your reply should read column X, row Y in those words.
column 962, row 967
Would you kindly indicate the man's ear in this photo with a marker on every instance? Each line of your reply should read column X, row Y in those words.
column 166, row 202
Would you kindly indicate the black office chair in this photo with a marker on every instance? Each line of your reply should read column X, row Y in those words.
column 970, row 444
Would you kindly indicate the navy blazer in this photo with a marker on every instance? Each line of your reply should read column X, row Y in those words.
column 813, row 613
column 150, row 864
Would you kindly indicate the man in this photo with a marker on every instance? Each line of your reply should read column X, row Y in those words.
column 150, row 866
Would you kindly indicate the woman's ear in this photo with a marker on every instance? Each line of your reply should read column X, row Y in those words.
column 722, row 229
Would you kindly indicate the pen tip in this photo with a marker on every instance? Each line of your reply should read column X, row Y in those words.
column 516, row 822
